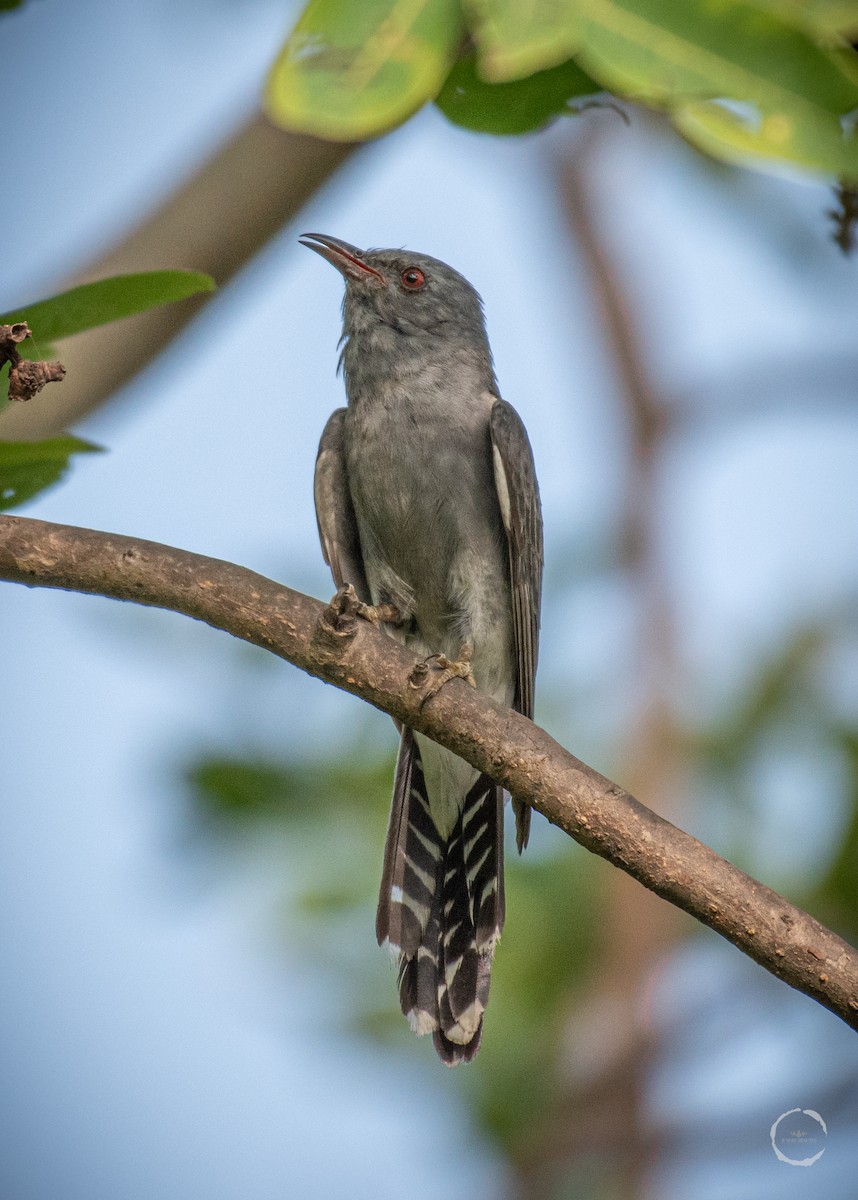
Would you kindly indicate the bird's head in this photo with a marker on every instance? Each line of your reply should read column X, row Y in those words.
column 413, row 294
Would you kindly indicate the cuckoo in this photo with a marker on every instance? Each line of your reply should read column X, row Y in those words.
column 428, row 505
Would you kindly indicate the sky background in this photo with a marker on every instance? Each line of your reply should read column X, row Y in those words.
column 152, row 1041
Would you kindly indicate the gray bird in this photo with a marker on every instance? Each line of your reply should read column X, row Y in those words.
column 427, row 503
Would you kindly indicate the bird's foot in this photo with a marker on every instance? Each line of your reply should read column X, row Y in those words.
column 446, row 669
column 339, row 616
column 379, row 614
column 346, row 607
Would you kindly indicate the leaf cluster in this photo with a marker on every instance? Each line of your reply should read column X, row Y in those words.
column 765, row 81
column 27, row 468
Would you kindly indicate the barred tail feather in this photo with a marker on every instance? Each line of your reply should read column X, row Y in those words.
column 442, row 906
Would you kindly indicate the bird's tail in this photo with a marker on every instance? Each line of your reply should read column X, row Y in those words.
column 442, row 906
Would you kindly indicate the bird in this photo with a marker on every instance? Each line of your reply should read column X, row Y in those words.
column 428, row 506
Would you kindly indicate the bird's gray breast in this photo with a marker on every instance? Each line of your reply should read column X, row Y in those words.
column 419, row 466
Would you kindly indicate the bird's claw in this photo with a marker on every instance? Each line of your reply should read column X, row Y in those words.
column 446, row 668
column 340, row 614
column 346, row 607
column 378, row 614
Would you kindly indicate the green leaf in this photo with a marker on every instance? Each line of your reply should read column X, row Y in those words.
column 815, row 145
column 827, row 17
column 508, row 108
column 672, row 55
column 516, row 38
column 351, row 71
column 107, row 300
column 837, row 890
column 661, row 51
column 837, row 16
column 36, row 349
column 227, row 788
column 7, row 5
column 27, row 468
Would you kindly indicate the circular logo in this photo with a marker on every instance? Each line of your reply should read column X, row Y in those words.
column 799, row 1137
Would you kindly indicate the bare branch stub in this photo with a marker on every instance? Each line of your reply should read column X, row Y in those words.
column 26, row 378
column 10, row 336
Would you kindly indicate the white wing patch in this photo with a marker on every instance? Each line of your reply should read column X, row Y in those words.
column 502, row 488
column 323, row 466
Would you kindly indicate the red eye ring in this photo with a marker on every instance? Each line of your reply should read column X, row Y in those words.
column 412, row 278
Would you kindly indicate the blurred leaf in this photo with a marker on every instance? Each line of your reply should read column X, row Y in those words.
column 36, row 350
column 670, row 55
column 825, row 16
column 775, row 696
column 4, row 384
column 6, row 5
column 837, row 15
column 328, row 901
column 352, row 71
column 510, row 108
column 225, row 788
column 815, row 144
column 515, row 39
column 27, row 468
column 744, row 79
column 249, row 789
column 106, row 300
column 661, row 51
column 334, row 816
column 838, row 890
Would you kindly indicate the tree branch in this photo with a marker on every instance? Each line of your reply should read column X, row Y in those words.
column 354, row 656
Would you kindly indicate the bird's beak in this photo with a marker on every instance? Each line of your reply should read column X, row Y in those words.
column 347, row 259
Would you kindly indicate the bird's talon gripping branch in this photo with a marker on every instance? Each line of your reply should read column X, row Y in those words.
column 339, row 618
column 379, row 614
column 417, row 678
column 447, row 669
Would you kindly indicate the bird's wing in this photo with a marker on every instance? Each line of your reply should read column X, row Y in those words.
column 338, row 531
column 518, row 496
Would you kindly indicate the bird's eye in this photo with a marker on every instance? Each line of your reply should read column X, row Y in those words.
column 412, row 278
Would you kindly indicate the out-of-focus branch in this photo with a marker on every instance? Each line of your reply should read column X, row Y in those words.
column 341, row 649
column 215, row 222
column 602, row 1112
column 647, row 417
